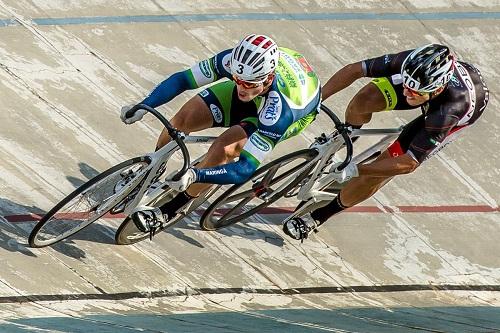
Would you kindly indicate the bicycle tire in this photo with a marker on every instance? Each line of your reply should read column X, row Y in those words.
column 38, row 236
column 128, row 234
column 210, row 223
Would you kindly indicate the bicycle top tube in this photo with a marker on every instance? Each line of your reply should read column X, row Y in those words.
column 376, row 131
column 172, row 131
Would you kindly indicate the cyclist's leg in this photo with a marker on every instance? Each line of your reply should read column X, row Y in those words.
column 361, row 188
column 378, row 95
column 215, row 104
column 224, row 149
column 193, row 116
column 239, row 117
column 355, row 191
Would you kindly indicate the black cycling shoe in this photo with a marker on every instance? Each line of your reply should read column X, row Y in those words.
column 149, row 220
column 299, row 228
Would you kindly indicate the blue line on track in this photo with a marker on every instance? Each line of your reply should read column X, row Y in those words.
column 263, row 16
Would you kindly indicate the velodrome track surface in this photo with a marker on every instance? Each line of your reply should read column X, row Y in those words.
column 420, row 256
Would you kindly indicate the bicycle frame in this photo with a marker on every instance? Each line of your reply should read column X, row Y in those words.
column 157, row 159
column 313, row 188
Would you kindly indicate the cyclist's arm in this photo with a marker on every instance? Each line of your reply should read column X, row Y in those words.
column 203, row 73
column 231, row 173
column 254, row 152
column 383, row 66
column 342, row 79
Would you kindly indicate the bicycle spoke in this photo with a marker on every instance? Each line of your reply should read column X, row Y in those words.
column 269, row 175
column 239, row 196
column 238, row 206
column 268, row 184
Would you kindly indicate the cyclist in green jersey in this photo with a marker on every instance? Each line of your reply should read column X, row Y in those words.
column 269, row 94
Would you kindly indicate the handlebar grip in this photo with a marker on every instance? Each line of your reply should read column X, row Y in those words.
column 130, row 113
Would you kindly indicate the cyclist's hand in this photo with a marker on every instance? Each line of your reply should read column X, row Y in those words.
column 344, row 175
column 182, row 184
column 135, row 117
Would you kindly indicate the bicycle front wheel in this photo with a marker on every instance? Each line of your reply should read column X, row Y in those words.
column 268, row 184
column 89, row 202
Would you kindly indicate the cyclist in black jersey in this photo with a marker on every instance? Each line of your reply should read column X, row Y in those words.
column 452, row 95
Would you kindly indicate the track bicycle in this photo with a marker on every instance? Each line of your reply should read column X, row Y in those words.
column 306, row 174
column 123, row 189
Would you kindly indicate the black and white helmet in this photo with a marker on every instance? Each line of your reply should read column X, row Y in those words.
column 428, row 68
column 254, row 58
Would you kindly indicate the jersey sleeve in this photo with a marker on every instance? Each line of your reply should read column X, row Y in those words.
column 438, row 125
column 201, row 74
column 384, row 66
column 254, row 151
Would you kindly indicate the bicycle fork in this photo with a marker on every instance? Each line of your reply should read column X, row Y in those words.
column 312, row 189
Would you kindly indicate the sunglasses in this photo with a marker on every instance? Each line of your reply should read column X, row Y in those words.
column 246, row 84
column 414, row 93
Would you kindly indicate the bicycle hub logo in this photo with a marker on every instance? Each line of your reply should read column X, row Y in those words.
column 272, row 109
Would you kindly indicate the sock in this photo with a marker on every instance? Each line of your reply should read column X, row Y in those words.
column 173, row 205
column 324, row 213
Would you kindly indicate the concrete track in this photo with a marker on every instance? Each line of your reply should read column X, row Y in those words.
column 422, row 255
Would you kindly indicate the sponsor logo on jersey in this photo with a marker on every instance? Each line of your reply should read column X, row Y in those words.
column 204, row 93
column 305, row 65
column 260, row 143
column 472, row 93
column 281, row 83
column 302, row 79
column 217, row 113
column 226, row 62
column 270, row 134
column 216, row 172
column 387, row 59
column 290, row 79
column 389, row 98
column 292, row 62
column 455, row 82
column 205, row 69
column 272, row 109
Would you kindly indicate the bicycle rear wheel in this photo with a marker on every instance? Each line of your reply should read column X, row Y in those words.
column 268, row 184
column 89, row 202
column 128, row 233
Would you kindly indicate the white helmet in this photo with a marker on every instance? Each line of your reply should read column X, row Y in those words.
column 254, row 58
